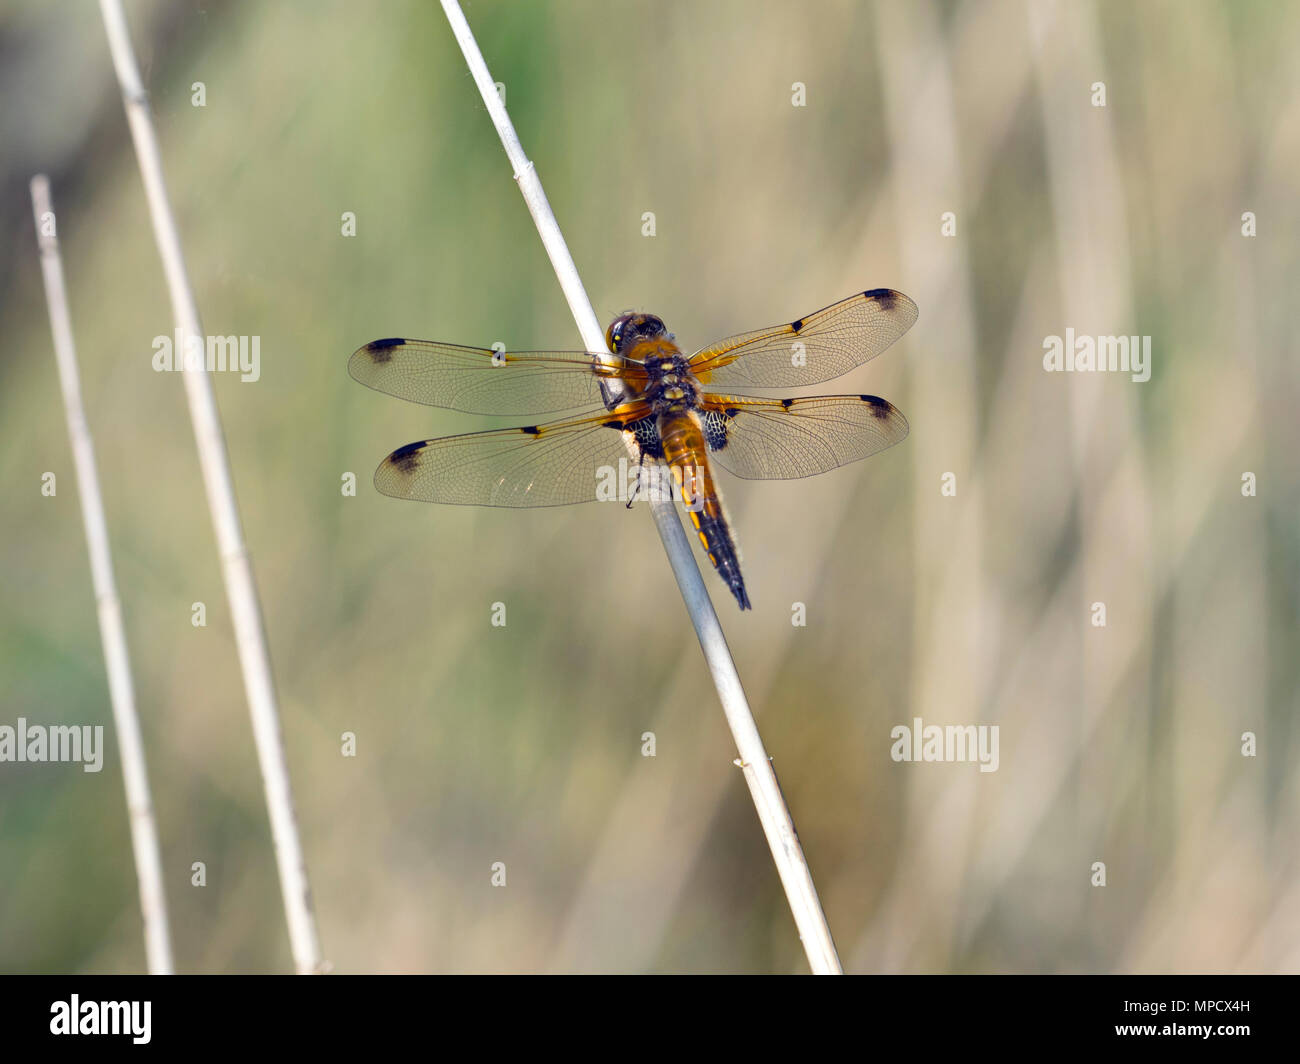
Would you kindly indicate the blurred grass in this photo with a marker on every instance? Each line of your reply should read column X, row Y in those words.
column 521, row 744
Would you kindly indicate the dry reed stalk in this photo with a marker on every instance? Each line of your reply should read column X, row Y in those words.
column 112, row 630
column 236, row 567
column 764, row 790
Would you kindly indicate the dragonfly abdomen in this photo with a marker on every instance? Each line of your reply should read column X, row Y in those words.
column 685, row 453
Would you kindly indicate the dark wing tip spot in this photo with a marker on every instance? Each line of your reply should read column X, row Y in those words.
column 886, row 297
column 880, row 408
column 530, row 430
column 380, row 350
column 403, row 459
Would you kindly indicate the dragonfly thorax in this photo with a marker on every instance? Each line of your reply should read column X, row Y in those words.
column 672, row 390
column 670, row 383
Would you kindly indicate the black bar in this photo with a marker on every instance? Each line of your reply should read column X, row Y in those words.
column 866, row 1014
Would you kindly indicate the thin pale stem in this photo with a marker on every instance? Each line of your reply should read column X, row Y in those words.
column 112, row 631
column 237, row 571
column 769, row 803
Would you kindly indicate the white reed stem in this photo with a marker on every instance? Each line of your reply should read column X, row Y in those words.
column 112, row 632
column 241, row 591
column 763, row 787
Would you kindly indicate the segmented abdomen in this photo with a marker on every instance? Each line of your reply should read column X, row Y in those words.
column 687, row 456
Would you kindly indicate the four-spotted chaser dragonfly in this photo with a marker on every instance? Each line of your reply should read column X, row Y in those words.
column 650, row 394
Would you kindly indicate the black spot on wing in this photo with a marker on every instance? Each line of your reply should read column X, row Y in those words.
column 880, row 408
column 379, row 350
column 530, row 430
column 715, row 427
column 646, row 432
column 886, row 297
column 797, row 325
column 787, row 403
column 403, row 459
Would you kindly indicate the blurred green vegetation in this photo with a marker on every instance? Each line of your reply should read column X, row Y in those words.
column 522, row 745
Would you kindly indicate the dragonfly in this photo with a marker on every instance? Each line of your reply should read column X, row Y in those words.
column 643, row 399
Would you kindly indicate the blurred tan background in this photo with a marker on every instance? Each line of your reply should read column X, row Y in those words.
column 477, row 744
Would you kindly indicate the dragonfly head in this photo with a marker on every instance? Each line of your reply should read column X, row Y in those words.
column 630, row 329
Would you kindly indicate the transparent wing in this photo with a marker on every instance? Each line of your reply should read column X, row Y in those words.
column 479, row 380
column 557, row 464
column 784, row 439
column 813, row 349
